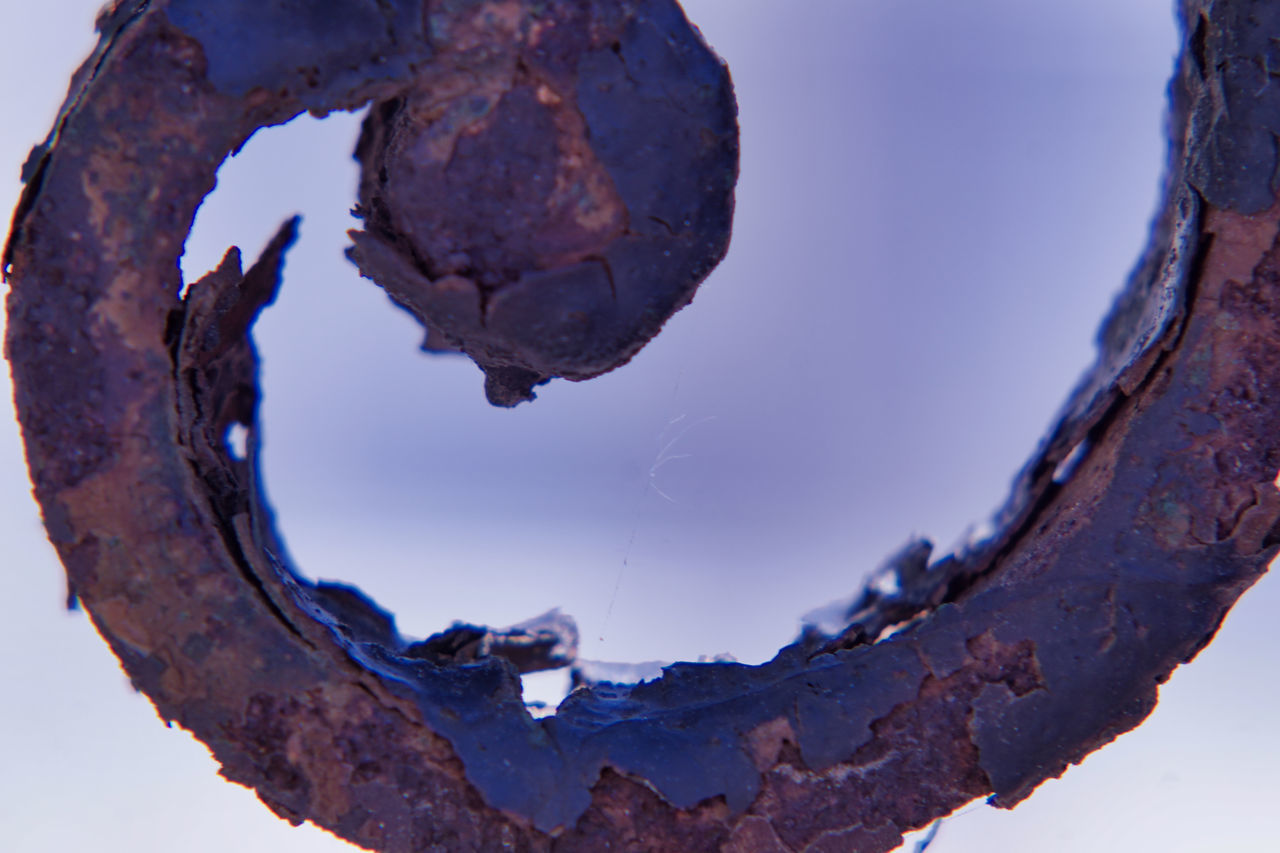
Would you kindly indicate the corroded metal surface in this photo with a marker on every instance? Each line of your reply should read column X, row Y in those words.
column 1007, row 663
column 549, row 210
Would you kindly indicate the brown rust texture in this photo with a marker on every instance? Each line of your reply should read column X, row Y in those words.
column 1172, row 515
column 524, row 213
column 920, row 763
column 151, row 563
column 125, row 391
column 1240, row 296
column 382, row 797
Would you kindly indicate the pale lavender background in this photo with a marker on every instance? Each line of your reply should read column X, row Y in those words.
column 937, row 202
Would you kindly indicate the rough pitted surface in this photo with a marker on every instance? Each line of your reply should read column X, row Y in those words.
column 1148, row 510
column 548, row 212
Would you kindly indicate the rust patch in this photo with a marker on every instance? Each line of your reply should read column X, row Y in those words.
column 754, row 835
column 766, row 741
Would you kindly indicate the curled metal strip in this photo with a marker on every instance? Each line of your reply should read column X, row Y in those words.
column 1003, row 666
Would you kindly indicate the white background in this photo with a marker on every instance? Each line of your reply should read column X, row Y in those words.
column 938, row 201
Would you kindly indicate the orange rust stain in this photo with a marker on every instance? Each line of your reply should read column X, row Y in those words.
column 766, row 740
column 492, row 25
column 117, row 618
column 133, row 312
column 1239, row 244
column 101, row 181
column 1258, row 520
column 754, row 834
column 547, row 96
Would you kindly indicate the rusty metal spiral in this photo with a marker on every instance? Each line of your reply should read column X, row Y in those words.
column 543, row 184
